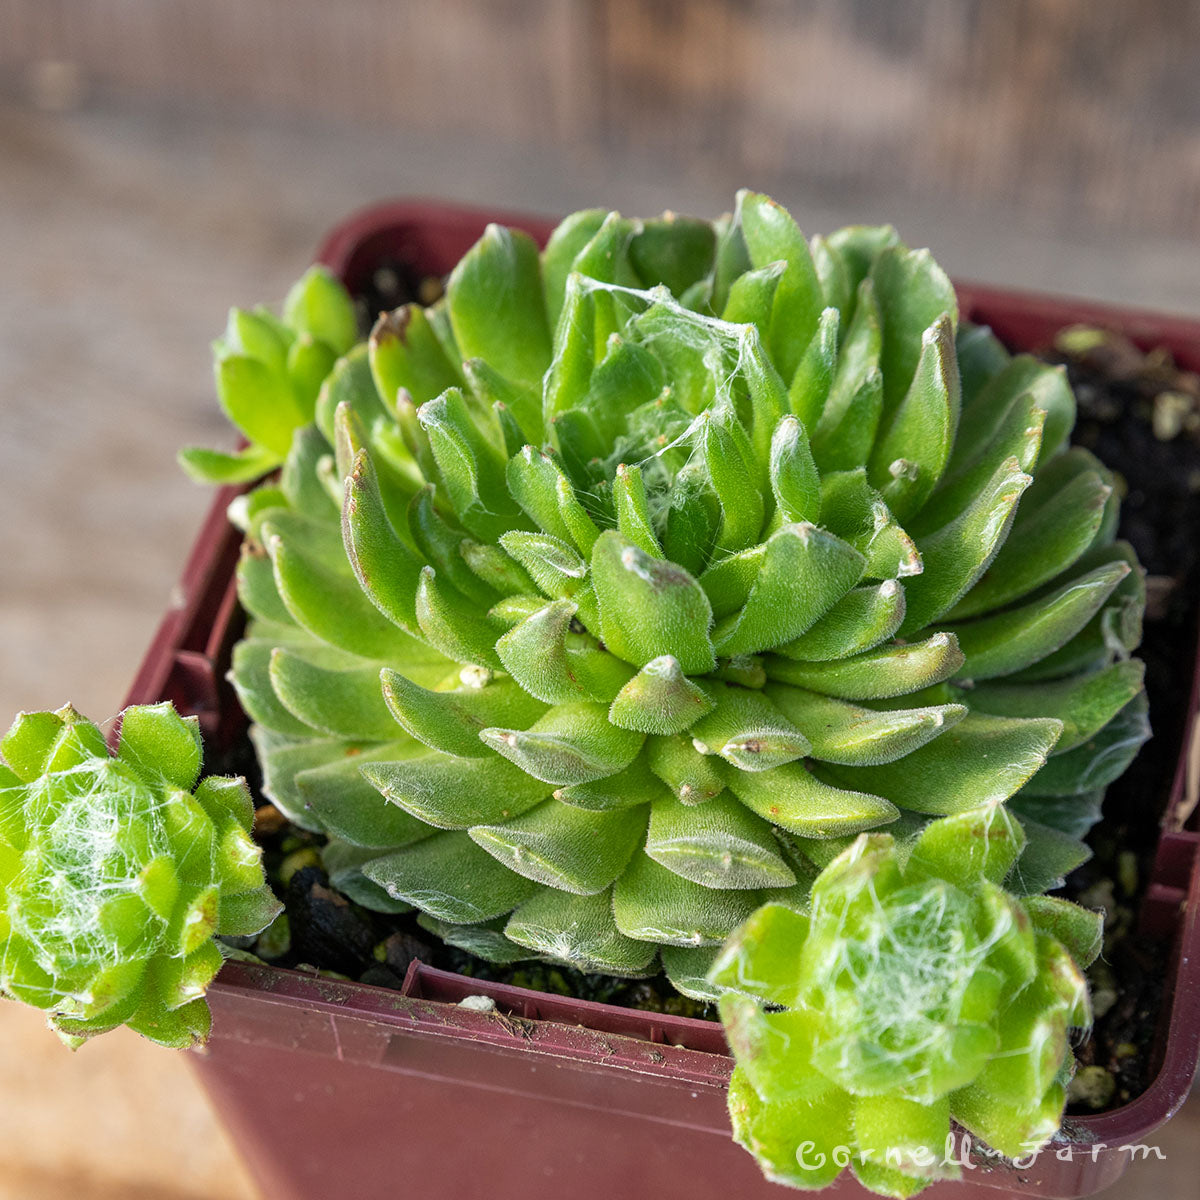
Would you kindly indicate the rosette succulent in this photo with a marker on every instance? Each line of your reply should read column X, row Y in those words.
column 116, row 872
column 615, row 594
column 913, row 990
column 597, row 584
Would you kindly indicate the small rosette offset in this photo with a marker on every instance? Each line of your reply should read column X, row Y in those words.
column 116, row 872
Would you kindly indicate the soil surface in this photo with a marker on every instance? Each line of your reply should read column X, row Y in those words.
column 1141, row 416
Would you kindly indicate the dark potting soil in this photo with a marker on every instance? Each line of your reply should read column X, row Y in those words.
column 1141, row 416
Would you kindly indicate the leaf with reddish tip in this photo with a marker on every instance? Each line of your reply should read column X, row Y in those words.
column 404, row 352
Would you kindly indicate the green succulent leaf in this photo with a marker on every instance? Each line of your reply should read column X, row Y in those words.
column 791, row 798
column 804, row 572
column 890, row 670
column 114, row 876
column 1008, row 641
column 652, row 903
column 565, row 847
column 220, row 467
column 856, row 736
column 650, row 607
column 980, row 760
column 319, row 305
column 451, row 878
column 859, row 621
column 579, row 930
column 771, row 235
column 497, row 308
column 572, row 743
column 434, row 787
column 720, row 844
column 451, row 720
column 660, row 698
column 405, row 353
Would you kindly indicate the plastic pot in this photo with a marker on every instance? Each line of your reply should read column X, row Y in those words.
column 338, row 1089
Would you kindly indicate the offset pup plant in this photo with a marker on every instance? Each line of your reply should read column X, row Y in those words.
column 694, row 596
column 914, row 989
column 117, row 871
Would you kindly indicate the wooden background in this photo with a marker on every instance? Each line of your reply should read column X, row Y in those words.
column 1086, row 111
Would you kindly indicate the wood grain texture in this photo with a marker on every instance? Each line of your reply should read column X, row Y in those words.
column 1081, row 110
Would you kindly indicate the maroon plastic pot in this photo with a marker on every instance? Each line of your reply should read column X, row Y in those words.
column 337, row 1089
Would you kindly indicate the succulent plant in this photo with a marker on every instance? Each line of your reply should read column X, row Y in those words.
column 268, row 373
column 602, row 587
column 914, row 990
column 116, row 872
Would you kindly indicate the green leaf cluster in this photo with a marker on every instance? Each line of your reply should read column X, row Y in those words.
column 611, row 597
column 914, row 990
column 269, row 371
column 592, row 586
column 116, row 872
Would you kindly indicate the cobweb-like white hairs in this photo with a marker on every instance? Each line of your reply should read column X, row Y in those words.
column 892, row 972
column 705, row 361
column 896, row 988
column 92, row 829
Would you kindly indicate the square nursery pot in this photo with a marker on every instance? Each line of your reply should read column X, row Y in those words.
column 336, row 1089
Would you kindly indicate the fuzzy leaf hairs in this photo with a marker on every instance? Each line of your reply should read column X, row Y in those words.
column 915, row 989
column 116, row 872
column 595, row 583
